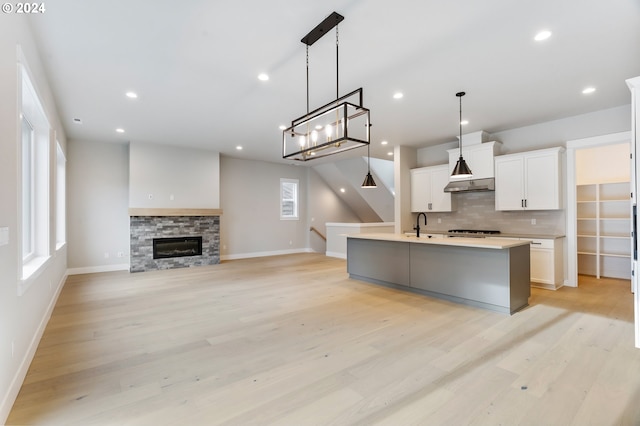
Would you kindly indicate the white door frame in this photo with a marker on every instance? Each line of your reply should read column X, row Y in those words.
column 572, row 238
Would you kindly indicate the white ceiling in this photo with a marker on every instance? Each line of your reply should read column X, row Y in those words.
column 194, row 65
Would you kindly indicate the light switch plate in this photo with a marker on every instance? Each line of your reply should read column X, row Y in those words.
column 4, row 236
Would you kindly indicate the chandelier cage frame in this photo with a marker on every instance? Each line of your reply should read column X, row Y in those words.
column 340, row 125
column 340, row 138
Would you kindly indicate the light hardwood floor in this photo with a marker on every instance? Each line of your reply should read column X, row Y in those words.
column 291, row 340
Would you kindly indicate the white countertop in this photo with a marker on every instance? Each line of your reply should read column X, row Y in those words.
column 503, row 234
column 490, row 243
column 360, row 225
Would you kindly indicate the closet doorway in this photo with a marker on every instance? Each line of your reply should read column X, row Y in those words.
column 599, row 207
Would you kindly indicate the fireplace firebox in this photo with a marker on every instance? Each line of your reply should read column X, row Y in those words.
column 164, row 248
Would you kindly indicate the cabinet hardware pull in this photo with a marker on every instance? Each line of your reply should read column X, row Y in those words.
column 538, row 244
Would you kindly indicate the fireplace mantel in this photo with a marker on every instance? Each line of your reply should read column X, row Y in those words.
column 174, row 212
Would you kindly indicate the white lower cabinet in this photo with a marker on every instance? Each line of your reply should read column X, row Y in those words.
column 545, row 261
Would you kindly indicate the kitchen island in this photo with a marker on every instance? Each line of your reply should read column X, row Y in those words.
column 487, row 273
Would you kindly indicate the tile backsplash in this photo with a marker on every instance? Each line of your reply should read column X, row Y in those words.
column 476, row 210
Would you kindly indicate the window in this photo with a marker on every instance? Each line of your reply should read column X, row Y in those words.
column 35, row 180
column 27, row 191
column 288, row 199
column 61, row 179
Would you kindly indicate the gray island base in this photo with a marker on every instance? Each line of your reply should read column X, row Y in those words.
column 486, row 273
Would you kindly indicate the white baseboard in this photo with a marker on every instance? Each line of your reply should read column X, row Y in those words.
column 264, row 254
column 96, row 269
column 336, row 254
column 18, row 378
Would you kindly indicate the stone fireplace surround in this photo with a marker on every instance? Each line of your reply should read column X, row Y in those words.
column 147, row 224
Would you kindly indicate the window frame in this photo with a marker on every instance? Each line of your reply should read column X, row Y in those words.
column 61, row 197
column 34, row 186
column 28, row 191
column 294, row 199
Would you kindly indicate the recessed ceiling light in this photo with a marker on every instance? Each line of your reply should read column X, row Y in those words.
column 282, row 127
column 239, row 148
column 398, row 95
column 588, row 90
column 263, row 77
column 77, row 121
column 132, row 95
column 390, row 153
column 384, row 143
column 464, row 122
column 542, row 35
column 119, row 130
column 343, row 190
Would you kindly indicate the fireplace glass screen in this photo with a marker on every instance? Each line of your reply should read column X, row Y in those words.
column 176, row 247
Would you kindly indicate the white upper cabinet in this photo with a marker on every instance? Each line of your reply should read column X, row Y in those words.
column 529, row 180
column 479, row 158
column 427, row 189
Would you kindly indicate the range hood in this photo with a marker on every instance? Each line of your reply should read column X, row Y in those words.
column 473, row 185
column 480, row 158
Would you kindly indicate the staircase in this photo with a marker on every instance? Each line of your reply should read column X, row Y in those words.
column 370, row 205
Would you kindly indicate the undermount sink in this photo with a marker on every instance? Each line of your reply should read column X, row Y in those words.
column 423, row 235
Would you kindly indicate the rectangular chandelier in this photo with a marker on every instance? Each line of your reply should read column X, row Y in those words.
column 338, row 126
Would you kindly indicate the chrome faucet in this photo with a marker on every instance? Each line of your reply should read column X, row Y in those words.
column 417, row 227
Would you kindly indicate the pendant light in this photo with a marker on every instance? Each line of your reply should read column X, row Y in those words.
column 368, row 180
column 335, row 127
column 461, row 170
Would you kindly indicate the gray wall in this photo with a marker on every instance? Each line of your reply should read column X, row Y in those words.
column 250, row 200
column 250, row 224
column 558, row 132
column 249, row 196
column 324, row 205
column 22, row 318
column 97, row 205
column 162, row 176
column 98, row 202
column 543, row 135
column 476, row 211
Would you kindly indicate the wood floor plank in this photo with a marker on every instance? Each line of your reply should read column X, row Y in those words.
column 292, row 340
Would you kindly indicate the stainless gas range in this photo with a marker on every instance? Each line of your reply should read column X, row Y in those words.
column 473, row 233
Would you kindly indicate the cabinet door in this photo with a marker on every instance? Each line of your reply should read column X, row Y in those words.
column 479, row 158
column 542, row 266
column 481, row 161
column 440, row 200
column 420, row 190
column 542, row 183
column 509, row 183
column 469, row 157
